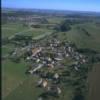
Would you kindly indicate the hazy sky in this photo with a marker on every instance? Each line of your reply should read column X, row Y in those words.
column 82, row 5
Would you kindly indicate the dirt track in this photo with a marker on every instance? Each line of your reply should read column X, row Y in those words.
column 94, row 83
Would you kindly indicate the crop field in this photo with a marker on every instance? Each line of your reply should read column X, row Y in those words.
column 94, row 81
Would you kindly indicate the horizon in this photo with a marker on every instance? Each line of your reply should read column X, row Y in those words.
column 78, row 11
column 79, row 5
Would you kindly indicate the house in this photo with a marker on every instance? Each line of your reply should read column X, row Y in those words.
column 84, row 61
column 38, row 60
column 40, row 98
column 40, row 82
column 45, row 83
column 54, row 90
column 35, row 51
column 28, row 58
column 76, row 68
column 56, row 76
column 67, row 54
column 37, row 68
column 58, row 59
column 69, row 49
column 59, row 90
column 50, row 65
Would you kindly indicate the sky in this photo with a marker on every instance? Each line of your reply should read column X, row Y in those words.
column 78, row 5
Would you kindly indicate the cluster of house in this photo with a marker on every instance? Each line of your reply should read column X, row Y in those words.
column 77, row 57
column 46, row 58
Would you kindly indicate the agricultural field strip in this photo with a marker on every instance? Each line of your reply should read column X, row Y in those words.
column 20, row 32
column 20, row 83
column 42, row 35
column 8, row 28
column 37, row 37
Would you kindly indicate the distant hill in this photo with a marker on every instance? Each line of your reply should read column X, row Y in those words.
column 51, row 11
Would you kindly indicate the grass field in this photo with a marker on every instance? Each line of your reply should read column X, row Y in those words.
column 80, row 39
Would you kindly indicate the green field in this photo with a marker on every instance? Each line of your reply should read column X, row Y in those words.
column 82, row 40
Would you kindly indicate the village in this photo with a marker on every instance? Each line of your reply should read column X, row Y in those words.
column 50, row 50
column 48, row 62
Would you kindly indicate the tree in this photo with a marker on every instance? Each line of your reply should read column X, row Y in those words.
column 5, row 40
column 63, row 27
